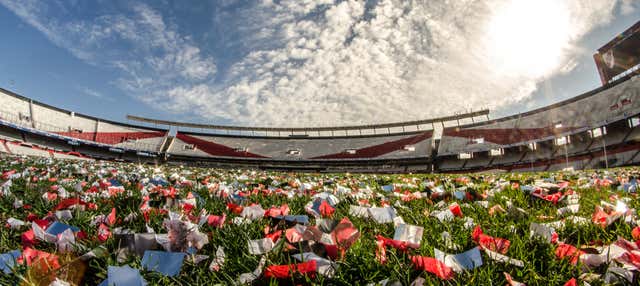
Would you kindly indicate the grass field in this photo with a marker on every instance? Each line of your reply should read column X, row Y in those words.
column 415, row 197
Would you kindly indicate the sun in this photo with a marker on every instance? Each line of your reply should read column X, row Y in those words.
column 528, row 37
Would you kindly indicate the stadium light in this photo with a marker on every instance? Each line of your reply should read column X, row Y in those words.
column 496, row 152
column 564, row 140
column 409, row 148
column 479, row 140
column 465, row 155
column 598, row 132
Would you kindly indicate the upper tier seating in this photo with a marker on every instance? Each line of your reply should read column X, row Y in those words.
column 578, row 114
column 283, row 148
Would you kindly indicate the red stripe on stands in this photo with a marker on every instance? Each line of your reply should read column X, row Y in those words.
column 380, row 149
column 215, row 149
column 506, row 136
column 41, row 148
column 112, row 138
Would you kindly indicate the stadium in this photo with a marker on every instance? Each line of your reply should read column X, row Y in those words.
column 546, row 196
column 592, row 130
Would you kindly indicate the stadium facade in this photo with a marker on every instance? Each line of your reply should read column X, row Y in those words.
column 597, row 129
column 592, row 130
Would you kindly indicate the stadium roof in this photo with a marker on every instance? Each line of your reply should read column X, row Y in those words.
column 456, row 117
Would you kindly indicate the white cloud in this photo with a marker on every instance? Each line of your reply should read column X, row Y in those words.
column 321, row 62
column 139, row 44
column 627, row 7
column 348, row 63
column 90, row 92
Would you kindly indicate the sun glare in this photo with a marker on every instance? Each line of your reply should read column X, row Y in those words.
column 527, row 38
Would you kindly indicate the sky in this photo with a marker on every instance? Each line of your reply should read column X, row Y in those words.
column 307, row 63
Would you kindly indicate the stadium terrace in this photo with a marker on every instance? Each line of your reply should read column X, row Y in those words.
column 596, row 129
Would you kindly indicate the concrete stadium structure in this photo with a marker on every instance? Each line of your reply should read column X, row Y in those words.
column 596, row 129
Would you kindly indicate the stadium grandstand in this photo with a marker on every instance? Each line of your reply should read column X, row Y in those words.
column 596, row 129
column 592, row 130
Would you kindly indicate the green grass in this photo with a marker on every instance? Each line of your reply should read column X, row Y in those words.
column 359, row 266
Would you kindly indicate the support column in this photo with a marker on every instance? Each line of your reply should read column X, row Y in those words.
column 604, row 150
column 95, row 132
column 31, row 114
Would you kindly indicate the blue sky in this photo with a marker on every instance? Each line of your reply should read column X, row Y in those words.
column 302, row 63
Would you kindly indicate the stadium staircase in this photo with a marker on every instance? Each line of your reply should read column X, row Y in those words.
column 6, row 147
column 166, row 144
